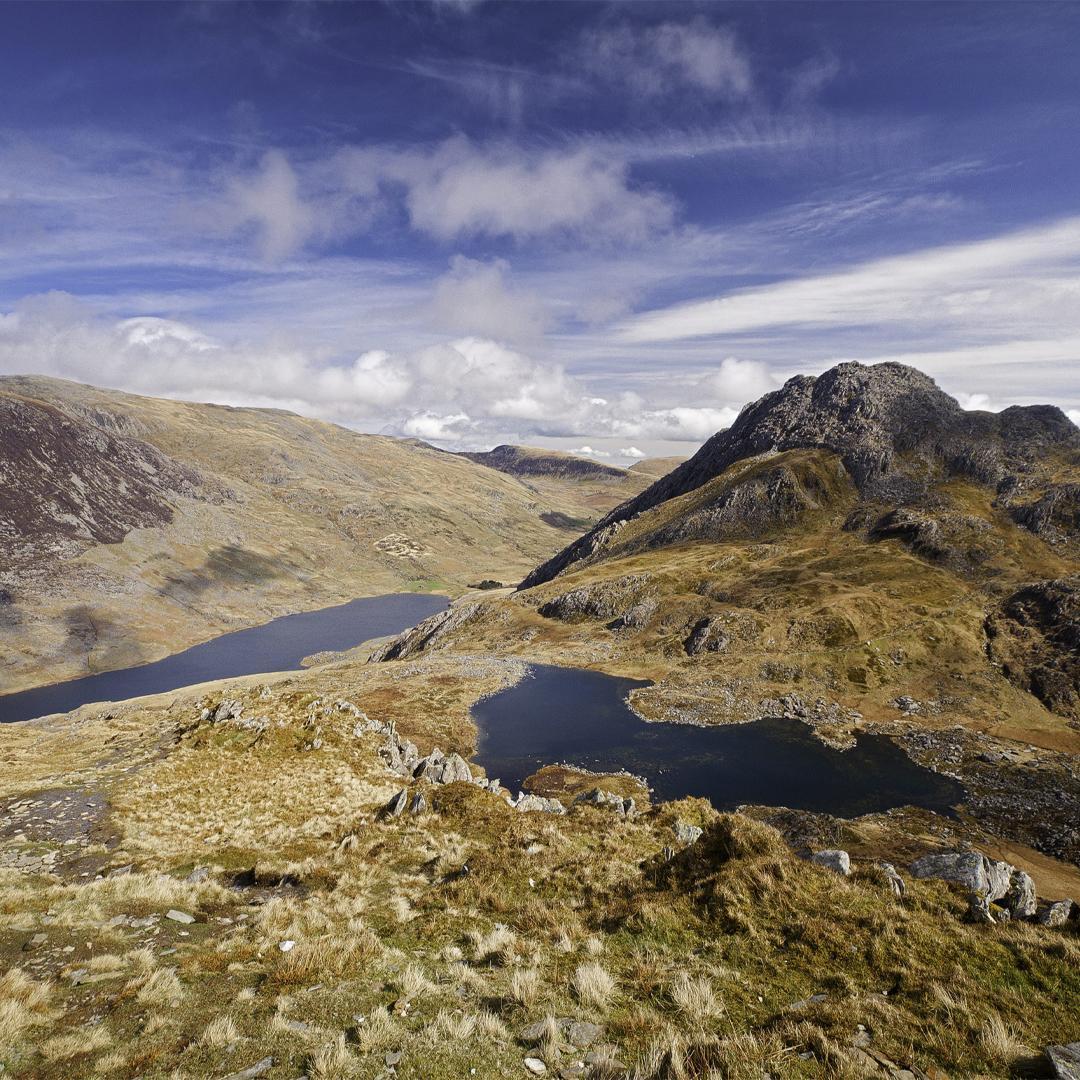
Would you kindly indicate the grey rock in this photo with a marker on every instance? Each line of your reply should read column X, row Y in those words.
column 528, row 804
column 896, row 882
column 200, row 873
column 252, row 1071
column 180, row 917
column 425, row 634
column 1066, row 1060
column 581, row 1033
column 418, row 805
column 392, row 1058
column 687, row 834
column 970, row 869
column 228, row 710
column 833, row 859
column 454, row 768
column 535, row 1065
column 1020, row 900
column 397, row 804
column 1054, row 912
column 607, row 800
column 706, row 636
column 979, row 909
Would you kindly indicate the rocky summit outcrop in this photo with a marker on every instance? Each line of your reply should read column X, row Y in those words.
column 892, row 429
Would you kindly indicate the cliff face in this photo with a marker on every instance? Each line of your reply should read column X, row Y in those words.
column 894, row 431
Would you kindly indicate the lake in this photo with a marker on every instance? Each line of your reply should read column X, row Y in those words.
column 279, row 645
column 566, row 715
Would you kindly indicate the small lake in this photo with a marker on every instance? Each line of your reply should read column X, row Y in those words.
column 565, row 715
column 279, row 645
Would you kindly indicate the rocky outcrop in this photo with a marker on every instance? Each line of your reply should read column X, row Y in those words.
column 889, row 425
column 608, row 800
column 535, row 804
column 1054, row 516
column 1065, row 1060
column 1035, row 636
column 707, row 636
column 424, row 634
column 608, row 600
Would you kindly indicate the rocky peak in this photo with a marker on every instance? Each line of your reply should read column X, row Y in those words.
column 891, row 426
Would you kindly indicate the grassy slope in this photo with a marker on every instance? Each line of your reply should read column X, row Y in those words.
column 321, row 515
column 691, row 967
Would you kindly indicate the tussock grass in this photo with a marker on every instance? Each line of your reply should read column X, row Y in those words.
column 593, row 985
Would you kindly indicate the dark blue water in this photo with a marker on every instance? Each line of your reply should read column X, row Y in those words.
column 276, row 646
column 581, row 718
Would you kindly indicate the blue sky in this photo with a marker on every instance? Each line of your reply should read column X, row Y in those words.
column 576, row 225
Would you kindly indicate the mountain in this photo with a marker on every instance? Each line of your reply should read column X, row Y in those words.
column 857, row 552
column 895, row 437
column 131, row 527
column 530, row 461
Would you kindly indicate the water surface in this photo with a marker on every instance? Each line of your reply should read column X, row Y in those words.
column 565, row 715
column 279, row 645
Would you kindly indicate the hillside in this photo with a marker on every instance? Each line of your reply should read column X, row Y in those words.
column 132, row 527
column 856, row 552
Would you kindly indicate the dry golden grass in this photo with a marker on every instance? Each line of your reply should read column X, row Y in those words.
column 593, row 986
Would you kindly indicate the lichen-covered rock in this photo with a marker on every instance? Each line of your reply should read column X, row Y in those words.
column 707, row 635
column 528, row 804
column 1054, row 912
column 896, row 882
column 607, row 800
column 833, row 859
column 971, row 870
column 1066, row 1060
column 1020, row 899
column 687, row 834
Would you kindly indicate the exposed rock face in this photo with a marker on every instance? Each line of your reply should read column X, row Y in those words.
column 889, row 425
column 707, row 636
column 1020, row 900
column 604, row 600
column 424, row 634
column 525, row 461
column 64, row 479
column 608, row 800
column 1035, row 636
column 1055, row 515
column 1066, row 1060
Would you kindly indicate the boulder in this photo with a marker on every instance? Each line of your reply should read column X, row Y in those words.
column 430, row 767
column 896, row 882
column 1054, row 912
column 454, row 768
column 397, row 804
column 1066, row 1060
column 687, row 834
column 227, row 710
column 418, row 804
column 979, row 909
column 607, row 800
column 707, row 635
column 972, row 870
column 833, row 859
column 1020, row 900
column 526, row 804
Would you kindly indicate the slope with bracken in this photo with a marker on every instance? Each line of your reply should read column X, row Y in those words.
column 131, row 527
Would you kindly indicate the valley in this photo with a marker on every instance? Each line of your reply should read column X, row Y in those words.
column 850, row 619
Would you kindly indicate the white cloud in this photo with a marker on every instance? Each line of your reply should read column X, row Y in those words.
column 632, row 452
column 268, row 203
column 475, row 298
column 1028, row 274
column 657, row 60
column 1074, row 416
column 588, row 451
column 461, row 189
column 453, row 391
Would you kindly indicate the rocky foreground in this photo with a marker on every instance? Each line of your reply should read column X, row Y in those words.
column 290, row 877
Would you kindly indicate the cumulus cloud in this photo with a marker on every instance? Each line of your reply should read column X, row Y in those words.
column 267, row 203
column 456, row 391
column 632, row 452
column 462, row 189
column 475, row 298
column 657, row 60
